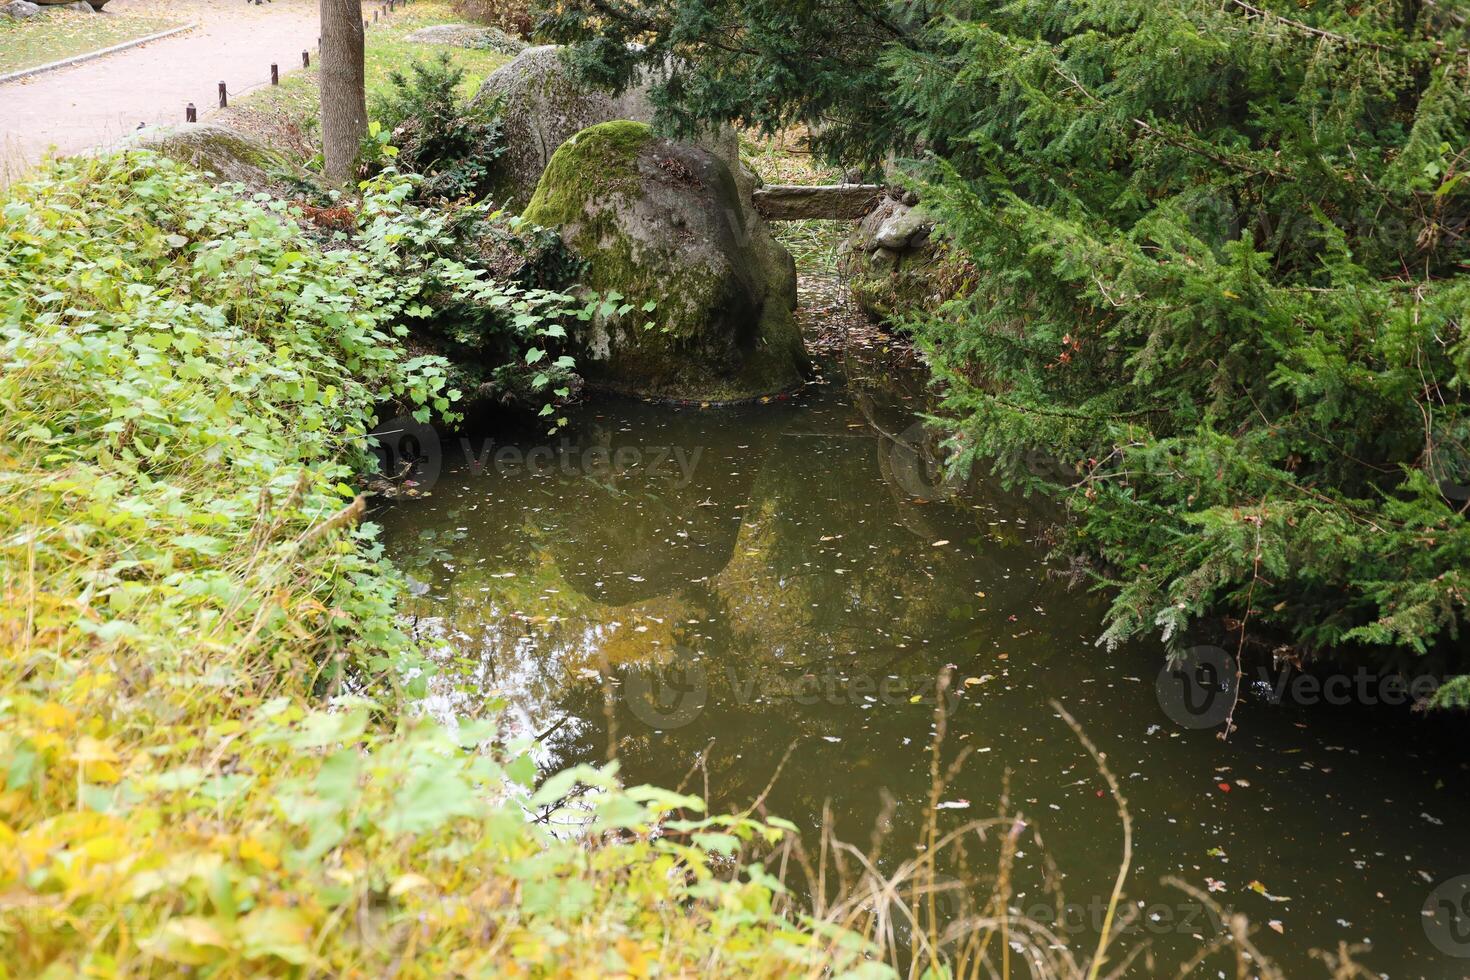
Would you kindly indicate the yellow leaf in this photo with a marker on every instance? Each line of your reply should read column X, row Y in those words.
column 190, row 940
column 53, row 715
column 90, row 749
column 251, row 849
column 407, row 883
column 103, row 848
column 101, row 771
column 282, row 933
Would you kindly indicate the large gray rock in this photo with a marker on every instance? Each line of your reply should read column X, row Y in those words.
column 543, row 106
column 19, row 10
column 66, row 7
column 230, row 156
column 665, row 222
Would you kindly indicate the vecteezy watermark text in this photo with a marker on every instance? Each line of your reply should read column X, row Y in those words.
column 675, row 464
column 1198, row 689
column 674, row 694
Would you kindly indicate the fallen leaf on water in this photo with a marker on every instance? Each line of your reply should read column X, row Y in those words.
column 1260, row 889
column 941, row 542
column 1276, row 924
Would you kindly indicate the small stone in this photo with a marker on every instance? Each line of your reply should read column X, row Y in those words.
column 19, row 10
column 905, row 226
column 884, row 260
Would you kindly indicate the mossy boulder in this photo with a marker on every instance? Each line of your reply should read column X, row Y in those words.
column 894, row 264
column 230, row 156
column 665, row 223
column 543, row 105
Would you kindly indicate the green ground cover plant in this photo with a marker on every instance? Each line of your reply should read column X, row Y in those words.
column 212, row 759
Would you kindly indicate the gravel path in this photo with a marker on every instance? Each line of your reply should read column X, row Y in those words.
column 95, row 103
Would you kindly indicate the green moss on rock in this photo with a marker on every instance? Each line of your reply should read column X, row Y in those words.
column 229, row 155
column 663, row 222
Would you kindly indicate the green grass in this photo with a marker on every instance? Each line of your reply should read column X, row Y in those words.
column 288, row 112
column 51, row 37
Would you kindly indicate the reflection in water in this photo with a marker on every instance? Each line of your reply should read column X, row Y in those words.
column 747, row 579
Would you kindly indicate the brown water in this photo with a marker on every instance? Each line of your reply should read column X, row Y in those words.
column 749, row 579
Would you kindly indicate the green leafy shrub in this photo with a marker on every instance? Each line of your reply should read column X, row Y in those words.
column 452, row 142
column 488, row 302
column 212, row 760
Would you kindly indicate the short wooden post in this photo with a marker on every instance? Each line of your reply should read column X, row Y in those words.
column 224, row 97
column 306, row 59
column 191, row 114
column 275, row 73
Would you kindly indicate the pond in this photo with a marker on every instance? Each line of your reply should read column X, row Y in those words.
column 725, row 584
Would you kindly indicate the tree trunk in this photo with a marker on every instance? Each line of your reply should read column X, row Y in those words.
column 344, row 101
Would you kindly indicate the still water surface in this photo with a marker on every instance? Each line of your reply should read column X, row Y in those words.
column 746, row 579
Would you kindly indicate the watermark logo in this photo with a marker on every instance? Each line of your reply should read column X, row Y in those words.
column 673, row 465
column 916, row 469
column 673, row 695
column 666, row 696
column 409, row 453
column 1447, row 917
column 1198, row 689
column 1090, row 918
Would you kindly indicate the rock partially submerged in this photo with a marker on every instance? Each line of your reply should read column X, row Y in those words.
column 229, row 155
column 665, row 223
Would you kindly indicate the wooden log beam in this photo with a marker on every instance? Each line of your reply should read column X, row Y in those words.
column 835, row 202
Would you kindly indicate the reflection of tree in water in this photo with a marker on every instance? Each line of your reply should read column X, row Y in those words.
column 785, row 565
